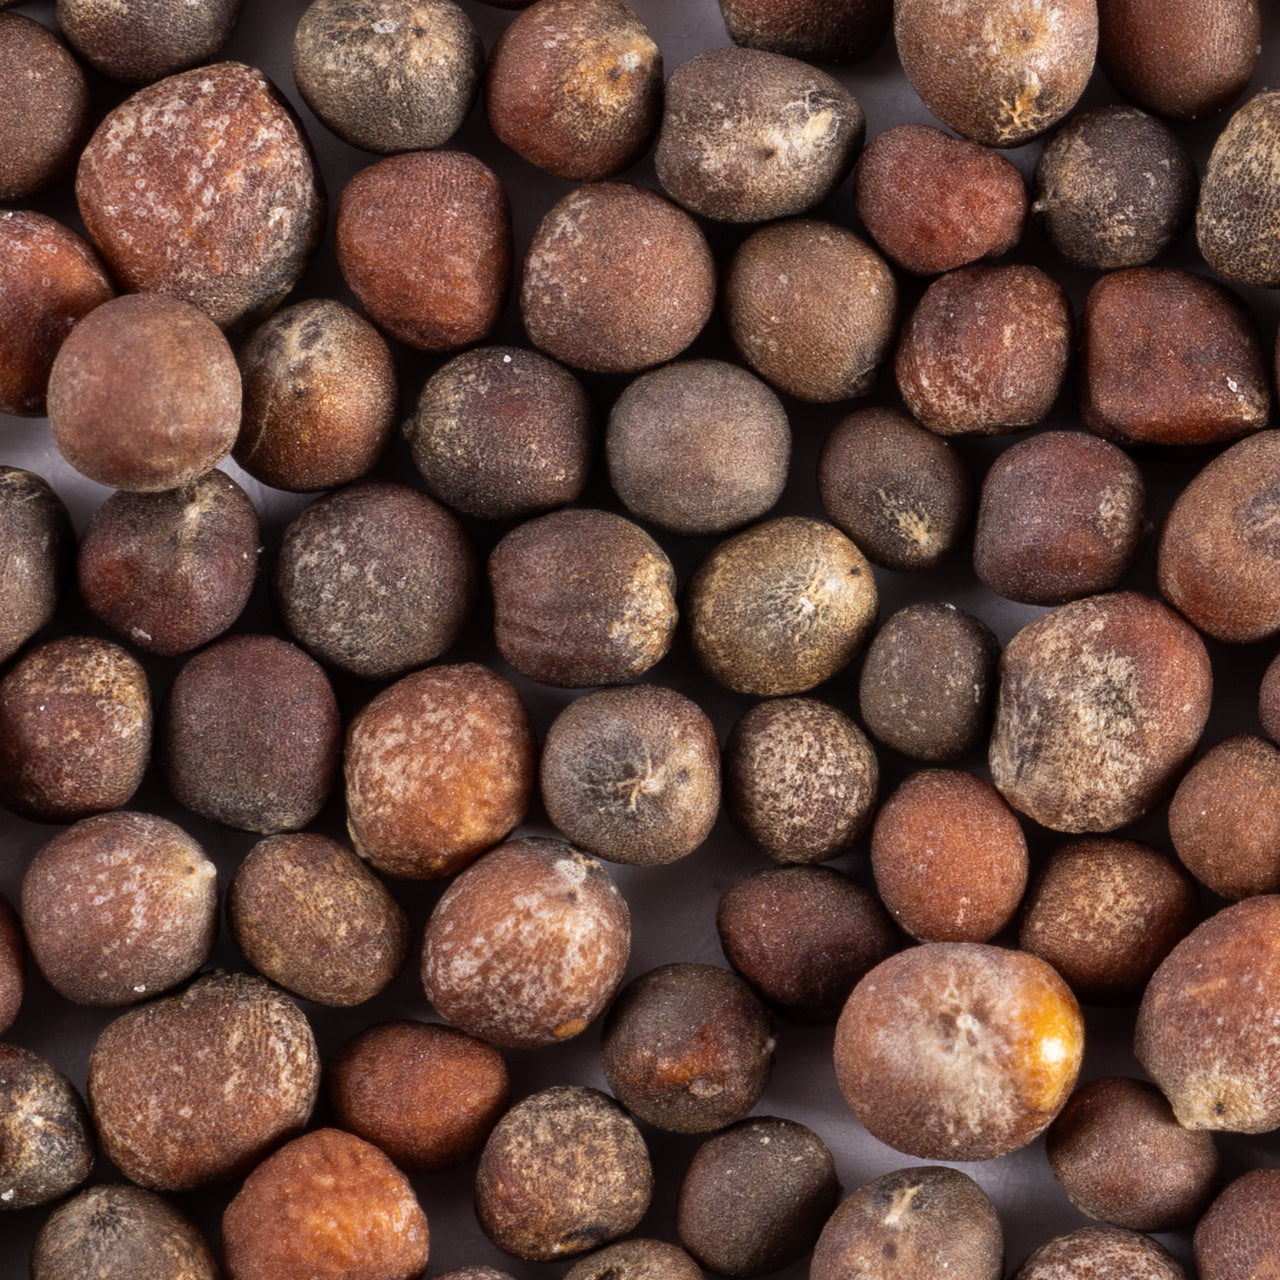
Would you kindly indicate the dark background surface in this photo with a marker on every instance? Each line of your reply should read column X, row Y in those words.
column 673, row 908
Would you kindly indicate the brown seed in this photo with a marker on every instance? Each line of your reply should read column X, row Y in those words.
column 44, row 108
column 1236, row 1239
column 616, row 280
column 414, row 591
column 687, row 1047
column 566, row 1170
column 902, row 493
column 388, row 75
column 1269, row 700
column 1062, row 515
column 246, row 227
column 927, row 682
column 1184, row 59
column 754, row 1197
column 36, row 542
column 1122, row 1157
column 913, row 1224
column 1114, row 188
column 138, row 41
column 819, row 30
column 13, row 957
column 985, row 351
column 310, row 916
column 527, row 946
column 811, row 308
column 632, row 774
column 439, row 767
column 428, row 1095
column 319, row 398
column 576, row 88
column 327, row 1205
column 502, row 433
column 932, row 202
column 46, row 1148
column 749, row 136
column 1101, row 703
column 1218, row 551
column 250, row 735
column 119, row 907
column 172, row 570
column 118, row 1232
column 1205, row 1031
column 998, row 73
column 49, row 279
column 228, row 1069
column 582, row 598
column 637, row 1259
column 1105, row 912
column 1170, row 357
column 780, row 607
column 698, row 447
column 448, row 214
column 144, row 394
column 800, row 779
column 1101, row 1251
column 958, row 1050
column 803, row 937
column 75, row 729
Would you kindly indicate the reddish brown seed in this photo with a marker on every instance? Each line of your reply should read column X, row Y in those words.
column 1002, row 72
column 1224, row 818
column 913, row 1224
column 902, row 493
column 985, row 351
column 170, row 571
column 245, row 228
column 754, row 1197
column 1105, row 912
column 811, row 308
column 1269, row 700
column 502, row 433
column 582, row 598
column 958, row 1050
column 414, row 591
column 428, row 1095
column 46, row 1146
column 949, row 858
column 818, row 30
column 1206, row 1026
column 566, row 1170
column 13, row 956
column 328, row 1206
column 1101, row 1251
column 932, row 202
column 636, row 1259
column 749, row 136
column 528, row 945
column 36, row 545
column 1183, row 59
column 310, row 916
column 439, row 767
column 1062, row 515
column 1170, row 357
column 800, row 779
column 49, row 279
column 687, row 1047
column 119, row 907
column 44, row 108
column 250, row 735
column 1218, row 551
column 228, row 1069
column 1101, row 703
column 1236, row 1238
column 1122, row 1157
column 75, row 729
column 576, row 88
column 118, row 1232
column 446, row 213
column 802, row 937
column 319, row 398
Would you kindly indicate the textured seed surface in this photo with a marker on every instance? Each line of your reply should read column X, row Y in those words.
column 36, row 541
column 1235, row 1240
column 818, row 30
column 636, row 1259
column 13, row 956
column 1095, row 1251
